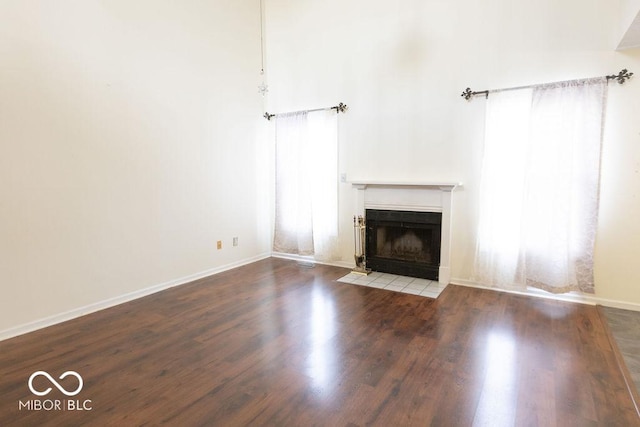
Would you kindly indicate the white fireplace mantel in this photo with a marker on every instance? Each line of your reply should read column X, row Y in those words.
column 413, row 196
column 444, row 186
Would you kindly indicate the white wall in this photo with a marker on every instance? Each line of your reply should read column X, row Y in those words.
column 130, row 142
column 401, row 68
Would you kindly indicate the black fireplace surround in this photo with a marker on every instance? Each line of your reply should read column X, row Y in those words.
column 404, row 242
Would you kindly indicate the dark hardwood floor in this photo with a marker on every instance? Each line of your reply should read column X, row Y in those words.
column 274, row 343
column 624, row 326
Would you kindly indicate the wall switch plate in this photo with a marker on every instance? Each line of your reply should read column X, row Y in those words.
column 235, row 241
column 343, row 177
column 219, row 244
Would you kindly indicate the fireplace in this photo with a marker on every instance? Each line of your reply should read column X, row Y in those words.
column 416, row 197
column 404, row 242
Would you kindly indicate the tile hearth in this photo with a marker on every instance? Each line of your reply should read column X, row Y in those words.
column 393, row 282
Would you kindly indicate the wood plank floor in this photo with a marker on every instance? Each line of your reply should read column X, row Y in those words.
column 625, row 326
column 274, row 343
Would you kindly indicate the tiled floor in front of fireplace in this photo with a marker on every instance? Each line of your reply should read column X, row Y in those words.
column 393, row 282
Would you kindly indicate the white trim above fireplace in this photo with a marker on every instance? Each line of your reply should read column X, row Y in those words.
column 447, row 185
column 412, row 196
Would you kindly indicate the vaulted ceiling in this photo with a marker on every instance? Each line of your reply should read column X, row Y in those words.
column 631, row 27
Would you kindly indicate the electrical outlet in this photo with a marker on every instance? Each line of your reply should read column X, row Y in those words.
column 219, row 244
column 235, row 241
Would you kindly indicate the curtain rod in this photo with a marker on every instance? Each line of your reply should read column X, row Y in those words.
column 340, row 108
column 467, row 94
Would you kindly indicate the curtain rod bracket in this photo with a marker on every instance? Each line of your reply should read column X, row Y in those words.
column 340, row 108
column 268, row 116
column 621, row 77
column 468, row 94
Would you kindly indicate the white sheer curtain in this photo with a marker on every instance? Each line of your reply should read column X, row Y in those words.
column 539, row 187
column 306, row 221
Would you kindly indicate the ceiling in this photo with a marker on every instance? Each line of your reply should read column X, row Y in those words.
column 631, row 37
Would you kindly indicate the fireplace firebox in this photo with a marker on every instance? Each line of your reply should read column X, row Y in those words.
column 404, row 242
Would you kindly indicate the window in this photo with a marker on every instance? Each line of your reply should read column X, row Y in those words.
column 306, row 220
column 539, row 187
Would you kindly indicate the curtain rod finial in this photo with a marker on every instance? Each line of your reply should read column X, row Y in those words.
column 467, row 94
column 621, row 77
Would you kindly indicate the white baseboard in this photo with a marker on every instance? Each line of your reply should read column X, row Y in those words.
column 310, row 259
column 618, row 304
column 575, row 297
column 111, row 302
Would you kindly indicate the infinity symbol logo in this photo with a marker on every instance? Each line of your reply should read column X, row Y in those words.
column 55, row 383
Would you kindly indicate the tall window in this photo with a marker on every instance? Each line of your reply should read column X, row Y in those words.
column 306, row 220
column 539, row 187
